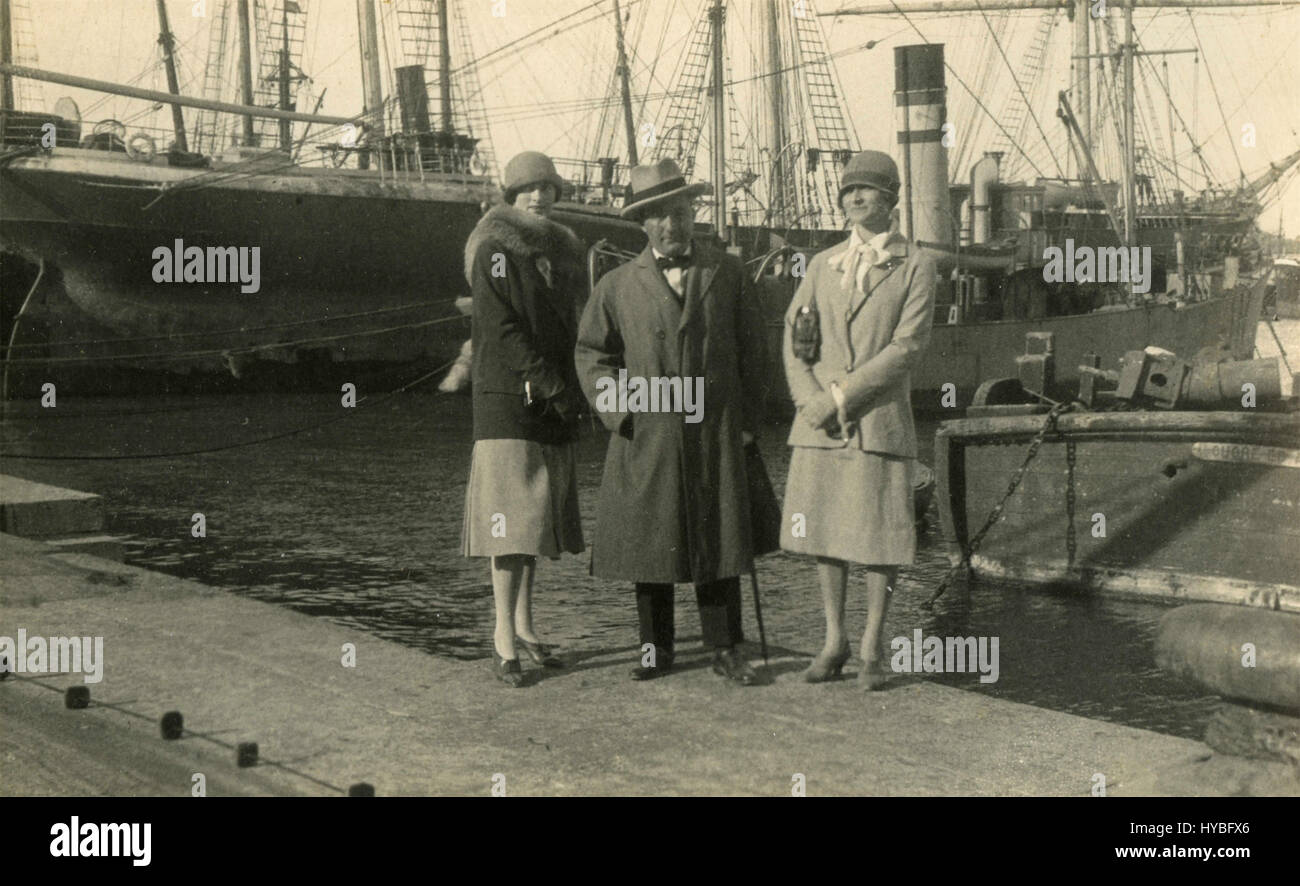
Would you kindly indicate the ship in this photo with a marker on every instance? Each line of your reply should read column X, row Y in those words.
column 1168, row 479
column 360, row 221
column 360, row 218
column 776, row 174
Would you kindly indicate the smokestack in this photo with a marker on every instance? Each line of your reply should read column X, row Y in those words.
column 412, row 98
column 920, row 111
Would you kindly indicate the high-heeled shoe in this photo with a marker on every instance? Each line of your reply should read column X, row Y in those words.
column 872, row 677
column 823, row 669
column 507, row 671
column 540, row 653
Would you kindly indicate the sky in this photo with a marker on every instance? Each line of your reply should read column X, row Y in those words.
column 542, row 87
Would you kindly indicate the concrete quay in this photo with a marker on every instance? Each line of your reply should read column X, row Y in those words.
column 413, row 724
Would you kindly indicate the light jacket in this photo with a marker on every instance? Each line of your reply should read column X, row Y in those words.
column 870, row 340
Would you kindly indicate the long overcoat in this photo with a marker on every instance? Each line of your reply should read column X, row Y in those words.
column 673, row 503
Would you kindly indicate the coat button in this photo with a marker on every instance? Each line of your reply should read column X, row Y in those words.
column 659, row 334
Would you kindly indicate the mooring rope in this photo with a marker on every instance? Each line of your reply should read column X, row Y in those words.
column 243, row 443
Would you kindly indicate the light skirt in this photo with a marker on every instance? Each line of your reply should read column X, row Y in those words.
column 522, row 498
column 850, row 505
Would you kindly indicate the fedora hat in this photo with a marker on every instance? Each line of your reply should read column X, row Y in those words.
column 871, row 169
column 654, row 183
column 530, row 168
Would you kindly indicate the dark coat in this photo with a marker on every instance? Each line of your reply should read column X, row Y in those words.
column 524, row 325
column 673, row 504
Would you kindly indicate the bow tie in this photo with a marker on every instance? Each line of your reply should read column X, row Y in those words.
column 673, row 261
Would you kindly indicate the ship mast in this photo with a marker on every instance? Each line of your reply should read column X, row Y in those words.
column 717, row 14
column 1083, row 71
column 625, row 88
column 444, row 66
column 1130, row 149
column 769, row 46
column 173, row 84
column 245, row 69
column 371, row 87
column 6, row 55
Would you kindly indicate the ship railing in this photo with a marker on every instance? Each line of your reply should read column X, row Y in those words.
column 600, row 182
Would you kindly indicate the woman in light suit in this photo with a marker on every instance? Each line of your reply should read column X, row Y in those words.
column 857, row 324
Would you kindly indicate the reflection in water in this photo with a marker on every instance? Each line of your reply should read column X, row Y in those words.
column 359, row 522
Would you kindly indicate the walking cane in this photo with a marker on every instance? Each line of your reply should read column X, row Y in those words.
column 758, row 613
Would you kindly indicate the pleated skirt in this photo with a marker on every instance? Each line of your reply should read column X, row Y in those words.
column 522, row 498
column 850, row 505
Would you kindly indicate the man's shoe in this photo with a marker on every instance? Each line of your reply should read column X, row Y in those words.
column 663, row 666
column 731, row 664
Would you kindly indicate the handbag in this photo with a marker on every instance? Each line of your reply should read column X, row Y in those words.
column 806, row 337
column 764, row 509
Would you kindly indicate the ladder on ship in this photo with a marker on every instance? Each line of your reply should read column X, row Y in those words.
column 833, row 134
column 207, row 127
column 270, row 41
column 28, row 95
column 420, row 41
column 1015, row 108
column 677, row 134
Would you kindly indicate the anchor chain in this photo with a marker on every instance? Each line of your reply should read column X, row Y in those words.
column 1049, row 425
column 1070, row 542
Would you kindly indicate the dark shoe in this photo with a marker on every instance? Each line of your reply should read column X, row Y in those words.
column 540, row 653
column 663, row 667
column 507, row 671
column 823, row 669
column 731, row 664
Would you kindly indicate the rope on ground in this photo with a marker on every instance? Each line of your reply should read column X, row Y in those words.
column 242, row 444
column 1049, row 425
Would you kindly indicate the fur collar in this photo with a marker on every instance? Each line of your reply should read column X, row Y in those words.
column 526, row 236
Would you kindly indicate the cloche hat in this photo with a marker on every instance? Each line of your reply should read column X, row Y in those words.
column 653, row 183
column 872, row 169
column 529, row 168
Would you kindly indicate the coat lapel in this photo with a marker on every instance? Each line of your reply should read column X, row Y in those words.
column 666, row 307
column 699, row 277
column 896, row 246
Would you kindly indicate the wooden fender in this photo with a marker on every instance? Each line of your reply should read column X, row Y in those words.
column 1207, row 643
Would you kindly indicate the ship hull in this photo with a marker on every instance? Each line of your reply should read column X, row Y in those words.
column 965, row 354
column 353, row 267
column 1173, row 505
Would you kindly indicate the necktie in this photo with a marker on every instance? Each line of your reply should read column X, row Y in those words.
column 667, row 262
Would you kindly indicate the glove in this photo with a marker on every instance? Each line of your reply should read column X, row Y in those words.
column 819, row 411
column 567, row 405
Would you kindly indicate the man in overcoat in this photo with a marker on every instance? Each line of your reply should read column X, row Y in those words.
column 673, row 504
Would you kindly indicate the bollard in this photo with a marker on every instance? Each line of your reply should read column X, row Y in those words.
column 246, row 754
column 172, row 725
column 361, row 789
column 76, row 698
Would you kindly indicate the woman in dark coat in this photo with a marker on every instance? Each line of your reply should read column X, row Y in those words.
column 857, row 324
column 527, row 273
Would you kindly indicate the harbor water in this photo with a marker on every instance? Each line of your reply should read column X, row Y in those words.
column 358, row 521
